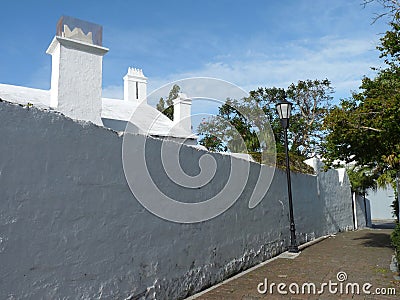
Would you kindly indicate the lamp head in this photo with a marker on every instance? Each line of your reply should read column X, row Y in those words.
column 284, row 109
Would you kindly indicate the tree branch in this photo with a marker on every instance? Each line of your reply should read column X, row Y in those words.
column 371, row 128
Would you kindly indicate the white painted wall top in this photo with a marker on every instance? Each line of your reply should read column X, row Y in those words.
column 24, row 95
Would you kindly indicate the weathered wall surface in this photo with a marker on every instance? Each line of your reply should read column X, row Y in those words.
column 362, row 212
column 71, row 228
column 77, row 65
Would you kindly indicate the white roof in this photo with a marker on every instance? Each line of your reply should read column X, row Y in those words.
column 25, row 95
column 148, row 119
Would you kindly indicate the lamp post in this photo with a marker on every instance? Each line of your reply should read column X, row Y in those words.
column 284, row 109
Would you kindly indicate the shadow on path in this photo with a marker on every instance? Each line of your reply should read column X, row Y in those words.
column 386, row 225
column 375, row 239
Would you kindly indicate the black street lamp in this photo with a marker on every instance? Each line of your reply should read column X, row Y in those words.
column 284, row 109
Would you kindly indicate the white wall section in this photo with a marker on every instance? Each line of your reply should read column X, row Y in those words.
column 71, row 228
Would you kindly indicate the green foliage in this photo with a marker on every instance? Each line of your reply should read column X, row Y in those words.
column 390, row 42
column 361, row 179
column 395, row 206
column 240, row 121
column 161, row 104
column 213, row 143
column 365, row 128
column 395, row 238
column 167, row 106
column 311, row 99
column 297, row 163
column 235, row 128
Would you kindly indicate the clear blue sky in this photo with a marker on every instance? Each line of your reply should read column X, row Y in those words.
column 249, row 43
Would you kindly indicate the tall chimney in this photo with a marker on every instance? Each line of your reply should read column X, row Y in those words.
column 182, row 112
column 76, row 75
column 135, row 86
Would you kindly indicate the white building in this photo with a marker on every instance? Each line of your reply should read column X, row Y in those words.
column 76, row 88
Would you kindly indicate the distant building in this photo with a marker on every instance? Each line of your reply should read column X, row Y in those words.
column 381, row 201
column 76, row 88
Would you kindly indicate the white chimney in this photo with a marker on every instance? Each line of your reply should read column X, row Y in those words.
column 76, row 74
column 182, row 112
column 135, row 85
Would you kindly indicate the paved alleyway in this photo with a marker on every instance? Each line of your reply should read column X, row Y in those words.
column 363, row 255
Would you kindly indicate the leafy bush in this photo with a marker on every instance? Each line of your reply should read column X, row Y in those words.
column 395, row 207
column 395, row 237
column 297, row 163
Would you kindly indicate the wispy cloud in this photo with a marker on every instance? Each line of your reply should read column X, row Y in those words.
column 316, row 41
column 313, row 43
column 343, row 61
column 113, row 91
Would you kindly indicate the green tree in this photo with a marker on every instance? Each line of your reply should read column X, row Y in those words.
column 390, row 8
column 365, row 128
column 311, row 103
column 167, row 106
column 235, row 128
column 362, row 179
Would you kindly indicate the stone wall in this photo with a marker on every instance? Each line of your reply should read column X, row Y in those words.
column 363, row 211
column 70, row 226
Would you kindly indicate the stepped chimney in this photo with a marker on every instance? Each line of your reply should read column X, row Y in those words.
column 76, row 72
column 135, row 86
